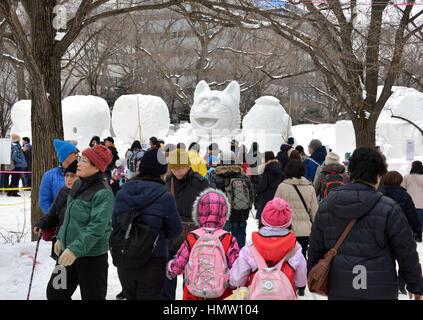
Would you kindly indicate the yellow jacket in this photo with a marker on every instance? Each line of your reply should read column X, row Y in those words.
column 197, row 163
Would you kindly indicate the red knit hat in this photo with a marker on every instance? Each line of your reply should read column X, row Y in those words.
column 276, row 213
column 99, row 155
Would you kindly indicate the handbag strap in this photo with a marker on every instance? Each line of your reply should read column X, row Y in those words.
column 301, row 197
column 344, row 235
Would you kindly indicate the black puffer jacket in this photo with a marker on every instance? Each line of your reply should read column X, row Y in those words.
column 380, row 237
column 187, row 190
column 269, row 181
column 282, row 155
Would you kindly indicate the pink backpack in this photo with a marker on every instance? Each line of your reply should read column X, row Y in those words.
column 207, row 272
column 269, row 283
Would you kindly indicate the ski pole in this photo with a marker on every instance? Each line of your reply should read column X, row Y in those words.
column 33, row 266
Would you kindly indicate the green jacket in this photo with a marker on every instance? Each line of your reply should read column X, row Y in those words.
column 87, row 225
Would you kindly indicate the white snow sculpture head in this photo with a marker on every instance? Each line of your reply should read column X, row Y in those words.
column 215, row 111
column 85, row 117
column 267, row 123
column 133, row 111
column 20, row 115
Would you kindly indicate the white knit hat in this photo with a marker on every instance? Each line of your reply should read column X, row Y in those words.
column 331, row 158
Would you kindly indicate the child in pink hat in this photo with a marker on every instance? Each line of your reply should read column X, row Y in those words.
column 273, row 241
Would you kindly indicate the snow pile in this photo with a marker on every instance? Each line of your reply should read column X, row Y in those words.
column 85, row 117
column 139, row 117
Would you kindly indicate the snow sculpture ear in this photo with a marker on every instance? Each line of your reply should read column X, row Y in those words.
column 234, row 91
column 201, row 88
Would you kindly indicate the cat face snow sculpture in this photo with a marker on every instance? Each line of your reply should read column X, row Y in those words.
column 215, row 111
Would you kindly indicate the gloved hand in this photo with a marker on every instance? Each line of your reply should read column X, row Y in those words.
column 67, row 258
column 57, row 248
column 169, row 274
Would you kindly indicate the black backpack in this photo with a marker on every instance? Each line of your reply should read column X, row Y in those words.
column 131, row 242
column 331, row 181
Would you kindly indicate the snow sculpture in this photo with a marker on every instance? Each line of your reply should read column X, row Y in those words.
column 139, row 117
column 215, row 112
column 85, row 117
column 267, row 123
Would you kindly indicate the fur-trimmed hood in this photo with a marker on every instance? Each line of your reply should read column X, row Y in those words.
column 228, row 170
column 263, row 166
column 211, row 209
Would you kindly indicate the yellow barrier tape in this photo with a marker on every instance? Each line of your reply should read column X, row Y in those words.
column 14, row 189
column 13, row 204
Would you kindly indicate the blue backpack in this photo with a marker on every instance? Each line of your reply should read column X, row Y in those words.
column 132, row 161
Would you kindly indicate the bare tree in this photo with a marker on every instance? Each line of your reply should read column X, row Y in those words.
column 42, row 52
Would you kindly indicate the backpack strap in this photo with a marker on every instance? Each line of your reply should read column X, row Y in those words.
column 257, row 257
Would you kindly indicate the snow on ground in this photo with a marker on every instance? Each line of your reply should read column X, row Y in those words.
column 16, row 259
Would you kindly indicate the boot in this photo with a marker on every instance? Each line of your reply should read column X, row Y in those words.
column 301, row 291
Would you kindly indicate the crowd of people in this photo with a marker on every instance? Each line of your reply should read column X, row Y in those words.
column 175, row 203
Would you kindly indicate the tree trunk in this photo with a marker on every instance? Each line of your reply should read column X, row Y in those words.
column 365, row 131
column 46, row 109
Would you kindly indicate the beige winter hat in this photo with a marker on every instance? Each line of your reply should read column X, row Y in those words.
column 331, row 158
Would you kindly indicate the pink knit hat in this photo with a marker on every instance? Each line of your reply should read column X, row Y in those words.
column 276, row 213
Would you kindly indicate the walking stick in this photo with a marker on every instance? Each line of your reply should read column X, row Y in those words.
column 33, row 266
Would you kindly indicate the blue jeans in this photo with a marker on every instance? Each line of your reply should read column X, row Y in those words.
column 238, row 230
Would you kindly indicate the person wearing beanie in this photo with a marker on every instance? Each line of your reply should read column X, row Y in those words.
column 54, row 179
column 291, row 141
column 210, row 211
column 159, row 210
column 83, row 239
column 20, row 164
column 269, row 181
column 50, row 223
column 332, row 171
column 185, row 185
column 273, row 241
column 317, row 157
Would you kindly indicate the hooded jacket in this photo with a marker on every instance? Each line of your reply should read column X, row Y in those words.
column 273, row 246
column 380, row 238
column 217, row 181
column 18, row 156
column 268, row 183
column 212, row 214
column 158, row 209
column 316, row 159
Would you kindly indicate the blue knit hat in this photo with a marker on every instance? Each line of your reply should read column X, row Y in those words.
column 63, row 149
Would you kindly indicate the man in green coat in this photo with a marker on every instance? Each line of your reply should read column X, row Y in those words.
column 83, row 239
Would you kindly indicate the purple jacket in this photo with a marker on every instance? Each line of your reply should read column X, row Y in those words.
column 245, row 264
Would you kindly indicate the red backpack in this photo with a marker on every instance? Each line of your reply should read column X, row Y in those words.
column 331, row 181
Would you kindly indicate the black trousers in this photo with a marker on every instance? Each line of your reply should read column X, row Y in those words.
column 90, row 273
column 14, row 183
column 144, row 283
